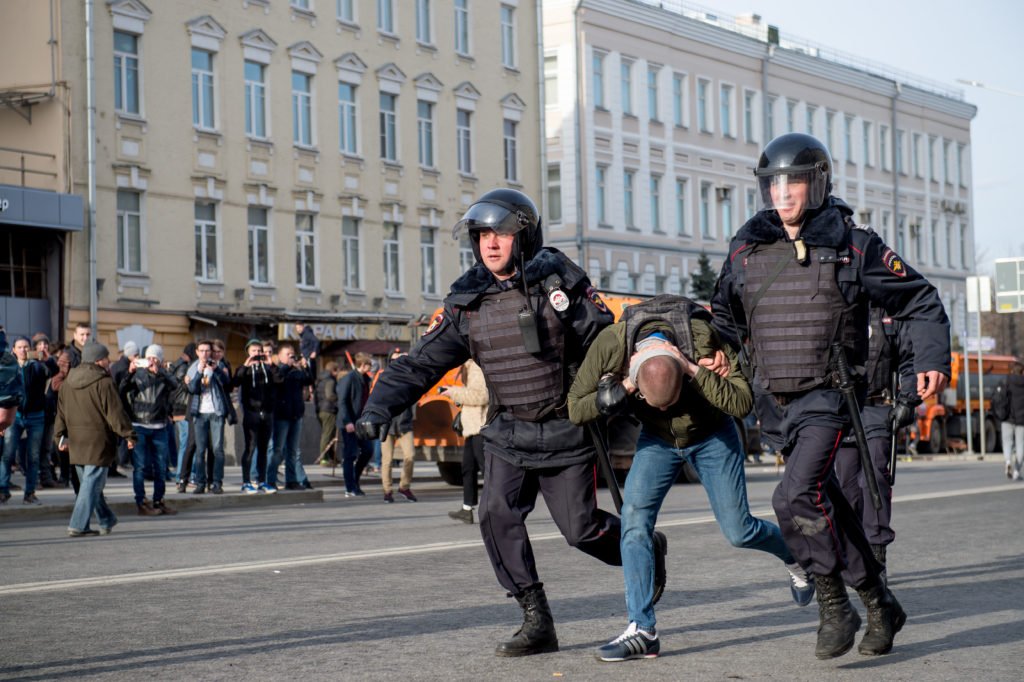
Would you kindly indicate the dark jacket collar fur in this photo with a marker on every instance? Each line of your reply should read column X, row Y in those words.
column 478, row 278
column 826, row 227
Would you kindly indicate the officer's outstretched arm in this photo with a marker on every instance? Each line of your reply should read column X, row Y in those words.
column 724, row 320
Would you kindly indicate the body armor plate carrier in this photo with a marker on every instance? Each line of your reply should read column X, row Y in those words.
column 677, row 311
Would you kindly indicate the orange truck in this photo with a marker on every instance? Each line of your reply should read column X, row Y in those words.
column 942, row 421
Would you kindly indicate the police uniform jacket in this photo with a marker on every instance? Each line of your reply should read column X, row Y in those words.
column 704, row 401
column 545, row 439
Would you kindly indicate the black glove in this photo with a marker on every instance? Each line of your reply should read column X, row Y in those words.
column 611, row 395
column 901, row 414
column 372, row 426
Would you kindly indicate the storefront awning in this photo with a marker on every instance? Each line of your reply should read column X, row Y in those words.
column 26, row 207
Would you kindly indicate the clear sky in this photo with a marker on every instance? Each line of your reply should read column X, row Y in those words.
column 941, row 40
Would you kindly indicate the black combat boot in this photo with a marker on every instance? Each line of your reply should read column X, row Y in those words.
column 839, row 621
column 885, row 618
column 537, row 635
column 878, row 551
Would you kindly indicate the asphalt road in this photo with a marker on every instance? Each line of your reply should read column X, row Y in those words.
column 356, row 589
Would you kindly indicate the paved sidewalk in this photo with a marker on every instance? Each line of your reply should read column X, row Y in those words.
column 120, row 496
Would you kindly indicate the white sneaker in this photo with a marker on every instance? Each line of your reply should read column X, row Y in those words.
column 1016, row 474
column 802, row 584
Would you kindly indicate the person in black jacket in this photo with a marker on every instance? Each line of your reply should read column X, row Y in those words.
column 794, row 295
column 256, row 386
column 1015, row 395
column 291, row 377
column 179, row 414
column 526, row 314
column 353, row 390
column 309, row 347
column 146, row 390
column 325, row 398
column 29, row 419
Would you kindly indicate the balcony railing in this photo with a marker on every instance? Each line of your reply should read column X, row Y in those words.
column 27, row 168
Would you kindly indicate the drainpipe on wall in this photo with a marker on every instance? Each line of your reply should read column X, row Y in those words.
column 543, row 112
column 578, row 52
column 90, row 105
column 895, row 172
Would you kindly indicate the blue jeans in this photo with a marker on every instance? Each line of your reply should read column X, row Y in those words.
column 90, row 498
column 34, row 424
column 181, row 431
column 152, row 447
column 718, row 460
column 209, row 427
column 286, row 449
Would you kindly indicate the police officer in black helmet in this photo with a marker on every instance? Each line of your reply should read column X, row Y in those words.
column 526, row 315
column 794, row 294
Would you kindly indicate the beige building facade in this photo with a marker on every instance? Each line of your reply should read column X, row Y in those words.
column 655, row 165
column 260, row 162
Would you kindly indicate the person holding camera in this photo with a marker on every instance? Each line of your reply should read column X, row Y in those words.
column 209, row 384
column 255, row 382
column 291, row 377
column 147, row 391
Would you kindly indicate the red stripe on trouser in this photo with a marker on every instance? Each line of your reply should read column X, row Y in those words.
column 820, row 504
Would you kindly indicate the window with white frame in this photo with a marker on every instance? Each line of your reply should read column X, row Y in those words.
column 748, row 116
column 918, row 239
column 702, row 105
column 346, row 11
column 392, row 259
column 656, row 203
column 424, row 28
column 947, row 172
column 255, row 100
column 883, row 147
column 259, row 245
column 901, row 236
column 652, row 93
column 305, row 250
column 791, row 115
column 462, row 27
column 727, row 213
column 464, row 140
column 347, row 119
column 203, row 88
column 466, row 258
column 725, row 94
column 705, row 210
column 206, row 241
column 601, row 195
column 682, row 224
column 350, row 253
column 508, row 37
column 627, row 198
column 597, row 66
column 554, row 187
column 932, row 175
column 428, row 260
column 949, row 244
column 301, row 4
column 127, row 72
column 510, row 146
column 129, row 231
column 848, row 138
column 626, row 85
column 751, row 207
column 550, row 80
column 830, row 129
column 679, row 99
column 961, row 169
column 866, row 137
column 811, row 112
column 897, row 150
column 388, row 127
column 935, row 242
column 386, row 16
column 302, row 109
column 886, row 226
column 769, row 117
column 425, row 132
column 915, row 156
column 963, row 247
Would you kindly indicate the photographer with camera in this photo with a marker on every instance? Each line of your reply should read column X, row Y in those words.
column 291, row 377
column 255, row 381
column 209, row 384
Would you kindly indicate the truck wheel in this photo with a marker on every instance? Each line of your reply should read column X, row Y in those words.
column 937, row 438
column 451, row 472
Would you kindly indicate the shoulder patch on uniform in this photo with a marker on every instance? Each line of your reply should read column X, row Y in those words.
column 865, row 228
column 595, row 298
column 434, row 324
column 893, row 263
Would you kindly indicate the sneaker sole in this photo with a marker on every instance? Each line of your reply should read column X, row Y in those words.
column 625, row 658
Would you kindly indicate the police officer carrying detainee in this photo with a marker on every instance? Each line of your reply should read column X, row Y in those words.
column 646, row 364
column 526, row 315
column 891, row 401
column 798, row 280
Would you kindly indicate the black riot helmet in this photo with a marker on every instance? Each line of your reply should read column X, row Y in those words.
column 506, row 211
column 794, row 157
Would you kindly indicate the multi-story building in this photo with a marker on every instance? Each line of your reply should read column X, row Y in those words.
column 262, row 161
column 656, row 113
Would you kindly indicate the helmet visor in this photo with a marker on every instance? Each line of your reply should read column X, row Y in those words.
column 789, row 189
column 487, row 216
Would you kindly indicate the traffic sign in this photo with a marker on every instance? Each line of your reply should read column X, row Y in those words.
column 987, row 343
column 1009, row 285
column 979, row 294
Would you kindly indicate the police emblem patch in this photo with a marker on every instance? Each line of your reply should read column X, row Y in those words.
column 559, row 301
column 434, row 323
column 894, row 263
column 595, row 298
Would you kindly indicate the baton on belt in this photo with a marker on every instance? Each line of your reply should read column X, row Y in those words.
column 604, row 461
column 894, row 428
column 846, row 387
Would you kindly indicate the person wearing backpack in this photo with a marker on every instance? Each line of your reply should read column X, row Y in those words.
column 1015, row 403
column 646, row 364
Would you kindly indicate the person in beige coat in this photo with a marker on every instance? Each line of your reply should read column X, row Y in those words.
column 473, row 398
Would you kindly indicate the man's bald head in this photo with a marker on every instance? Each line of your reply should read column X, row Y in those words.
column 659, row 381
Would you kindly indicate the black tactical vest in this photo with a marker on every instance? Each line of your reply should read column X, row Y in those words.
column 529, row 386
column 880, row 358
column 676, row 311
column 795, row 319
